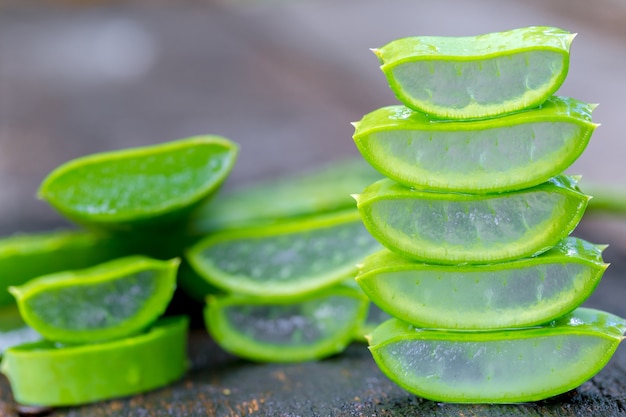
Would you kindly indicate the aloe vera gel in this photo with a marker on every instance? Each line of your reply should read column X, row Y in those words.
column 480, row 273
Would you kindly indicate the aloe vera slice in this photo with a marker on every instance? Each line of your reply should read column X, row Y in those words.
column 323, row 190
column 27, row 256
column 108, row 301
column 47, row 374
column 305, row 327
column 452, row 228
column 286, row 259
column 150, row 185
column 477, row 76
column 500, row 366
column 519, row 293
column 500, row 154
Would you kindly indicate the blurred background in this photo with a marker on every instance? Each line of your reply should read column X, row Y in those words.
column 283, row 78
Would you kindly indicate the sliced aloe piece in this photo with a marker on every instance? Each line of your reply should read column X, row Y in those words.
column 151, row 185
column 301, row 328
column 477, row 76
column 497, row 367
column 511, row 294
column 323, row 190
column 494, row 155
column 47, row 374
column 286, row 259
column 111, row 300
column 27, row 256
column 452, row 228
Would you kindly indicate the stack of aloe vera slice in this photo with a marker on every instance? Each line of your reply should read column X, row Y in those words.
column 480, row 273
column 278, row 268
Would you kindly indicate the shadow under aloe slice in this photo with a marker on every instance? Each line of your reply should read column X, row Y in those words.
column 147, row 186
column 46, row 374
column 506, row 153
column 287, row 259
column 518, row 293
column 477, row 76
column 108, row 301
column 304, row 327
column 507, row 366
column 455, row 228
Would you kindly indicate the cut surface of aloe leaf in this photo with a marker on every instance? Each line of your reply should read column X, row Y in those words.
column 518, row 293
column 323, row 190
column 453, row 228
column 287, row 259
column 501, row 366
column 108, row 301
column 143, row 186
column 477, row 76
column 500, row 154
column 27, row 256
column 306, row 327
column 46, row 374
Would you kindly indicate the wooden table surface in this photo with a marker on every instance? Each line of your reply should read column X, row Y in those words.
column 284, row 79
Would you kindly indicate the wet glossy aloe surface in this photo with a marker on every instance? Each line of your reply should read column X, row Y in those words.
column 477, row 76
column 455, row 228
column 506, row 153
column 305, row 327
column 49, row 374
column 287, row 259
column 499, row 366
column 108, row 301
column 518, row 293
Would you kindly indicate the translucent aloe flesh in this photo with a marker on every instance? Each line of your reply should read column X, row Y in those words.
column 477, row 76
column 285, row 259
column 108, row 301
column 140, row 186
column 519, row 293
column 27, row 256
column 453, row 228
column 501, row 366
column 307, row 327
column 499, row 154
column 323, row 190
column 48, row 374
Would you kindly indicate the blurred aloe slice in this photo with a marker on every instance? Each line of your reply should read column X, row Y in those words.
column 13, row 330
column 322, row 190
column 49, row 374
column 111, row 300
column 507, row 153
column 509, row 366
column 286, row 259
column 518, row 293
column 477, row 76
column 300, row 328
column 455, row 228
column 147, row 186
column 27, row 256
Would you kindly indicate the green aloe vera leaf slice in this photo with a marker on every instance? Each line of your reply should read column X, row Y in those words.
column 507, row 153
column 518, row 293
column 111, row 300
column 452, row 228
column 323, row 190
column 27, row 256
column 301, row 328
column 47, row 374
column 150, row 185
column 501, row 366
column 477, row 76
column 13, row 330
column 286, row 259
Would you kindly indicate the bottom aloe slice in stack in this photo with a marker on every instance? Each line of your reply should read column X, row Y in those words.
column 519, row 365
column 304, row 327
column 46, row 374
